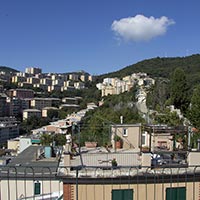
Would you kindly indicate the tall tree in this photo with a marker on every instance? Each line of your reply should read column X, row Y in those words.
column 179, row 91
column 194, row 111
column 158, row 94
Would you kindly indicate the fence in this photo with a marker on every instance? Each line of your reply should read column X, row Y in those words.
column 100, row 183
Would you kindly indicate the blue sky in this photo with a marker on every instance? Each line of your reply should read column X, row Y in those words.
column 98, row 36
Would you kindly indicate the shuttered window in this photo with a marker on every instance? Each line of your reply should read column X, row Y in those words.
column 178, row 193
column 37, row 188
column 126, row 194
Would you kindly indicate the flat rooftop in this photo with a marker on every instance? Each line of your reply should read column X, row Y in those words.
column 26, row 164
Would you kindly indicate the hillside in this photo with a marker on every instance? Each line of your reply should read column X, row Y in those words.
column 163, row 67
column 7, row 69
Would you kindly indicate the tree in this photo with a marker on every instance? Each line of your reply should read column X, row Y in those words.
column 59, row 139
column 179, row 91
column 46, row 139
column 169, row 118
column 194, row 111
column 158, row 94
column 52, row 113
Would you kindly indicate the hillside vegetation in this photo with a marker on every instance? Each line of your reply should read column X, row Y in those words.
column 163, row 67
column 7, row 70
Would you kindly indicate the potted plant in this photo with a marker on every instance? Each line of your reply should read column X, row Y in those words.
column 118, row 142
column 114, row 163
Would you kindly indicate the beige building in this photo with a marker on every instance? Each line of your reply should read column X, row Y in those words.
column 33, row 80
column 107, row 90
column 74, row 77
column 33, row 70
column 132, row 188
column 17, row 79
column 124, row 182
column 46, row 81
column 130, row 135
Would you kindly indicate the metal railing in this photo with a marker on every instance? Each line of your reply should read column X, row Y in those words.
column 99, row 182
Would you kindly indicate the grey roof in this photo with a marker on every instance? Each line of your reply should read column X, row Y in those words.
column 25, row 164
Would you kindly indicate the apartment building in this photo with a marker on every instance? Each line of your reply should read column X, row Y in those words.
column 43, row 87
column 79, row 85
column 74, row 77
column 54, row 88
column 33, row 70
column 25, row 84
column 33, row 80
column 27, row 113
column 18, row 79
column 9, row 128
column 3, row 105
column 40, row 103
column 21, row 93
column 46, row 81
column 116, row 86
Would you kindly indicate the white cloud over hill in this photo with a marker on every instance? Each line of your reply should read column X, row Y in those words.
column 140, row 28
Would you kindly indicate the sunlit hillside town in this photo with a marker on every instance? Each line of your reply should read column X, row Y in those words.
column 139, row 164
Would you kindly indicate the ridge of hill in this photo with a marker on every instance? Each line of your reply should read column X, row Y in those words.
column 7, row 70
column 163, row 67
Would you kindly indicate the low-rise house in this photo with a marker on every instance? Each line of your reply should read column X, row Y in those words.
column 130, row 135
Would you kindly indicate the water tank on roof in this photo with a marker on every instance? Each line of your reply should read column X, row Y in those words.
column 47, row 152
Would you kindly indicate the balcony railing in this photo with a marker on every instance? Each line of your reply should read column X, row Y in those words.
column 99, row 182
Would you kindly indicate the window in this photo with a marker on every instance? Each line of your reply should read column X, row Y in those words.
column 143, row 139
column 37, row 188
column 126, row 194
column 125, row 132
column 178, row 193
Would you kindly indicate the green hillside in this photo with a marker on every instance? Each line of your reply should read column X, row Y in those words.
column 163, row 67
column 7, row 70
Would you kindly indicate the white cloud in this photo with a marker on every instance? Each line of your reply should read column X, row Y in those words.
column 141, row 28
